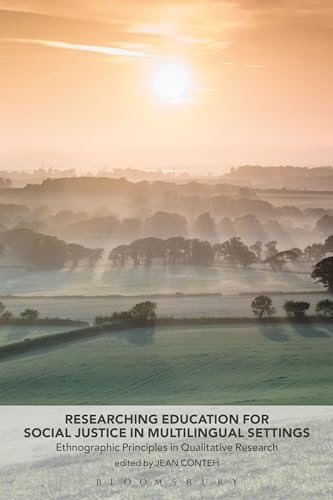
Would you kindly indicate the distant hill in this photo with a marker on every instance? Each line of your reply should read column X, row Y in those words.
column 254, row 176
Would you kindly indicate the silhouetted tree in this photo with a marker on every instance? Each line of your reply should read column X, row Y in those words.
column 262, row 305
column 314, row 252
column 323, row 273
column 295, row 253
column 120, row 255
column 296, row 309
column 30, row 314
column 144, row 311
column 278, row 260
column 256, row 248
column 41, row 251
column 236, row 252
column 271, row 249
column 325, row 308
column 201, row 253
column 175, row 250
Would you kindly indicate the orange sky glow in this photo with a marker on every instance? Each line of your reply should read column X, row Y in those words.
column 198, row 85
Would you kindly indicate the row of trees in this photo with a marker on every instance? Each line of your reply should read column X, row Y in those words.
column 168, row 224
column 178, row 250
column 140, row 313
column 28, row 314
column 48, row 252
column 263, row 306
column 175, row 250
column 144, row 312
column 41, row 251
column 233, row 252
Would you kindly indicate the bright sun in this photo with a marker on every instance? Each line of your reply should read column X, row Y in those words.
column 172, row 81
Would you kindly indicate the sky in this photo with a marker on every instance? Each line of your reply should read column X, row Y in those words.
column 92, row 84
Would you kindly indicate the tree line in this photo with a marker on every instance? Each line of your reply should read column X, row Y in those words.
column 28, row 314
column 42, row 251
column 179, row 250
column 263, row 306
column 233, row 252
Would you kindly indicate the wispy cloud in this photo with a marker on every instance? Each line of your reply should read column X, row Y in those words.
column 168, row 30
column 110, row 51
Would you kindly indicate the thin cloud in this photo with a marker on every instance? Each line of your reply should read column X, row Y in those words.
column 167, row 30
column 110, row 51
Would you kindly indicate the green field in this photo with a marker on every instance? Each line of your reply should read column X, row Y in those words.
column 12, row 333
column 187, row 364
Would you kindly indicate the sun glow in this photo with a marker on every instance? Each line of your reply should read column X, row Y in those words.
column 171, row 82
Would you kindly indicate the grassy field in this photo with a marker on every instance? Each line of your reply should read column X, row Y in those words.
column 12, row 333
column 212, row 364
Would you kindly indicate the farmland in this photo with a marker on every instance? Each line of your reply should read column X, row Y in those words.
column 187, row 364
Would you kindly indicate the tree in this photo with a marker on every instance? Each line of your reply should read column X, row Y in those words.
column 144, row 311
column 30, row 314
column 204, row 227
column 120, row 254
column 271, row 249
column 177, row 250
column 314, row 252
column 325, row 225
column 323, row 273
column 262, row 305
column 295, row 253
column 236, row 252
column 278, row 260
column 296, row 309
column 325, row 308
column 174, row 250
column 122, row 315
column 93, row 255
column 41, row 251
column 257, row 249
column 2, row 307
column 201, row 253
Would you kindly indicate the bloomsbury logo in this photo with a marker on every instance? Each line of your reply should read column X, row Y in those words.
column 195, row 482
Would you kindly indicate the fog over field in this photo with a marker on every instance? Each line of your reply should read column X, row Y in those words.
column 93, row 249
column 156, row 280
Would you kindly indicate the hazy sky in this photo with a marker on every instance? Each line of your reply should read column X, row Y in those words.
column 78, row 82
